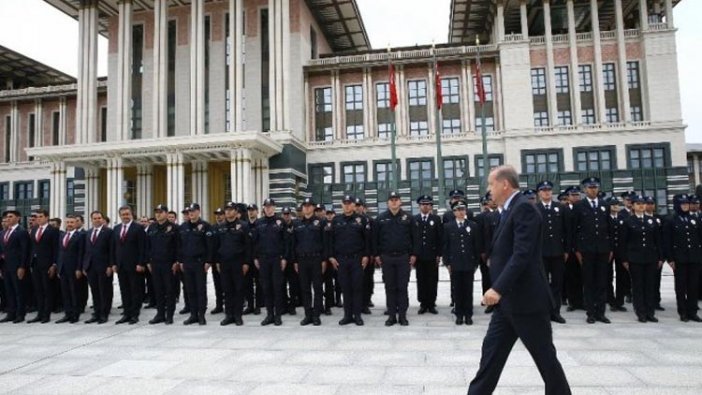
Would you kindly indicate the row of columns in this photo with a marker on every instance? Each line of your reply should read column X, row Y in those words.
column 279, row 63
column 197, row 67
column 86, row 105
column 57, row 187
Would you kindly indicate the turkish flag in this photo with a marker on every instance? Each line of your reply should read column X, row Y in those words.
column 479, row 87
column 437, row 81
column 393, row 88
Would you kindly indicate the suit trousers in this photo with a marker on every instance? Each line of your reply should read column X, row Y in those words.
column 252, row 285
column 368, row 283
column 643, row 281
column 310, row 271
column 232, row 278
column 351, row 281
column 463, row 286
column 101, row 290
column 396, row 274
column 195, row 278
column 555, row 270
column 131, row 287
column 164, row 283
column 272, row 284
column 687, row 275
column 219, row 289
column 427, row 276
column 574, row 282
column 14, row 289
column 69, row 294
column 43, row 291
column 595, row 282
column 534, row 330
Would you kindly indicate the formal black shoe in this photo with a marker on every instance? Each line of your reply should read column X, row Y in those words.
column 92, row 320
column 641, row 319
column 359, row 321
column 660, row 308
column 34, row 320
column 604, row 319
column 684, row 318
column 267, row 321
column 618, row 309
column 316, row 321
column 489, row 309
column 453, row 310
column 558, row 319
column 452, row 304
column 327, row 311
column 133, row 320
column 277, row 321
column 18, row 319
column 74, row 319
column 459, row 320
column 403, row 320
column 570, row 308
column 122, row 320
column 227, row 320
column 469, row 321
column 101, row 320
column 306, row 321
column 366, row 310
column 217, row 310
column 238, row 321
column 191, row 320
column 339, row 303
column 651, row 319
column 7, row 318
column 627, row 299
column 45, row 320
column 386, row 312
column 422, row 310
column 184, row 311
column 433, row 310
column 590, row 320
column 370, row 304
column 345, row 321
column 201, row 320
column 291, row 310
column 169, row 321
column 695, row 318
column 391, row 321
column 149, row 306
column 157, row 320
column 247, row 311
column 257, row 311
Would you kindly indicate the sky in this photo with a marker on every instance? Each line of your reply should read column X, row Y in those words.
column 388, row 22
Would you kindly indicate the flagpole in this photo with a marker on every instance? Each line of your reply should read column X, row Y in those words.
column 393, row 129
column 483, row 184
column 439, row 157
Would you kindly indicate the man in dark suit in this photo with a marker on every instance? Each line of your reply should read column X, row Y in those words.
column 519, row 291
column 44, row 253
column 70, row 255
column 128, row 260
column 429, row 229
column 96, row 266
column 15, row 249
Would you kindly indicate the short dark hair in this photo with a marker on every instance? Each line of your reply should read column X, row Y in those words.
column 41, row 211
column 173, row 212
column 125, row 208
column 97, row 212
column 79, row 217
column 57, row 220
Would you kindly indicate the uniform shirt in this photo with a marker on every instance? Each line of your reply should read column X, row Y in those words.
column 394, row 234
column 591, row 227
column 232, row 242
column 163, row 243
column 640, row 240
column 271, row 237
column 554, row 230
column 462, row 245
column 682, row 239
column 429, row 236
column 349, row 235
column 309, row 237
column 196, row 242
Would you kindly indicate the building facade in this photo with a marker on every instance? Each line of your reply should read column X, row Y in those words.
column 240, row 99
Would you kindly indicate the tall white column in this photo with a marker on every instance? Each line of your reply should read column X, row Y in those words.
column 574, row 75
column 643, row 14
column 115, row 176
column 58, row 190
column 524, row 19
column 124, row 70
column 500, row 21
column 247, row 190
column 144, row 189
column 14, row 132
column 599, row 77
column 236, row 63
column 624, row 103
column 279, row 36
column 367, row 94
column 669, row 14
column 175, row 180
column 62, row 121
column 265, row 178
column 38, row 123
column 465, row 83
column 86, row 104
column 160, row 75
column 431, row 101
column 550, row 74
column 234, row 175
column 256, row 170
column 200, row 187
column 337, row 106
column 497, row 97
column 197, row 67
column 92, row 190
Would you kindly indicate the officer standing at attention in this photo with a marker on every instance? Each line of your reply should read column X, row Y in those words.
column 623, row 283
column 395, row 252
column 555, row 244
column 310, row 246
column 641, row 255
column 369, row 271
column 349, row 248
column 216, row 275
column 232, row 252
column 429, row 250
column 291, row 281
column 271, row 239
column 252, row 283
column 163, row 249
column 454, row 196
column 462, row 246
column 651, row 212
column 195, row 261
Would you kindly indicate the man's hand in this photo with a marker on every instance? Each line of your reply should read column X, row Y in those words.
column 412, row 260
column 491, row 297
column 140, row 269
column 438, row 261
column 257, row 263
column 364, row 262
column 334, row 263
column 151, row 268
column 181, row 267
column 672, row 265
column 660, row 264
column 245, row 269
column 449, row 268
column 565, row 257
column 296, row 266
column 324, row 266
column 174, row 268
column 378, row 261
column 219, row 268
column 52, row 271
column 283, row 264
column 579, row 257
column 611, row 255
column 626, row 265
column 79, row 274
column 20, row 273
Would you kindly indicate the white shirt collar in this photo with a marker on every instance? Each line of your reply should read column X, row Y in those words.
column 509, row 200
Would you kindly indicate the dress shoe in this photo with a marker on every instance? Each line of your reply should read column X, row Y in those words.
column 7, row 318
column 641, row 319
column 660, row 308
column 238, row 321
column 18, row 319
column 452, row 304
column 34, row 320
column 316, row 321
column 695, row 318
column 651, row 319
column 291, row 310
column 227, row 320
column 122, row 320
column 191, row 320
column 92, row 320
column 247, row 311
column 359, row 321
column 169, row 321
column 558, row 318
column 403, row 320
column 149, row 306
column 391, row 321
column 618, row 308
column 306, row 321
column 433, row 310
column 370, row 304
column 627, row 299
column 201, row 320
column 346, row 321
column 590, row 320
column 386, row 312
column 257, row 311
column 277, row 321
column 422, row 310
column 73, row 319
column 469, row 321
column 459, row 320
column 489, row 309
column 133, row 320
column 101, row 320
column 184, row 311
column 570, row 308
column 267, row 321
column 45, row 320
column 603, row 319
column 157, row 320
column 684, row 318
column 366, row 310
column 327, row 311
column 217, row 310
column 339, row 303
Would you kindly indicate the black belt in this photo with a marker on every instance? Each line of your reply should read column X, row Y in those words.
column 354, row 255
column 396, row 253
column 309, row 255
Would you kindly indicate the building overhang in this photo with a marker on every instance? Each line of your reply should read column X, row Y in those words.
column 211, row 147
column 19, row 71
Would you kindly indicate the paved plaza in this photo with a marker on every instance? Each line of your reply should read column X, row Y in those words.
column 431, row 356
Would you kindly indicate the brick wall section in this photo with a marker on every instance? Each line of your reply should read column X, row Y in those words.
column 49, row 107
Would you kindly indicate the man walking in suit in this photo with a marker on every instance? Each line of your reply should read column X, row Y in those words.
column 15, row 249
column 44, row 247
column 70, row 255
column 520, row 291
column 128, row 242
column 96, row 266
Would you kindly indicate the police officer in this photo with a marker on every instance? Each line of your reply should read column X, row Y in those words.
column 487, row 221
column 623, row 282
column 593, row 249
column 462, row 246
column 292, row 279
column 530, row 195
column 429, row 238
column 369, row 270
column 216, row 276
column 683, row 251
column 181, row 278
column 195, row 261
column 555, row 246
column 454, row 196
column 349, row 248
column 310, row 251
column 271, row 254
column 232, row 252
column 573, row 272
column 328, row 273
column 395, row 252
column 252, row 284
column 626, row 200
column 651, row 212
column 642, row 256
column 163, row 249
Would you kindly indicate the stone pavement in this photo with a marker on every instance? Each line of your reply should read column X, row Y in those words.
column 431, row 356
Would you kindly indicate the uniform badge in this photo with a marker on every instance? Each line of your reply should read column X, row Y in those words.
column 358, row 220
column 431, row 223
column 404, row 217
column 555, row 209
column 603, row 208
column 621, row 222
column 658, row 220
column 316, row 222
column 467, row 229
column 199, row 227
column 278, row 222
column 650, row 221
column 168, row 229
column 692, row 221
column 238, row 226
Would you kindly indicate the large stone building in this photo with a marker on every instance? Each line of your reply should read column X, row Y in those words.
column 240, row 99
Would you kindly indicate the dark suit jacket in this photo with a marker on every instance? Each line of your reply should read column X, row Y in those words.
column 641, row 241
column 555, row 229
column 515, row 260
column 17, row 250
column 591, row 227
column 70, row 257
column 45, row 251
column 130, row 252
column 462, row 246
column 97, row 255
column 429, row 236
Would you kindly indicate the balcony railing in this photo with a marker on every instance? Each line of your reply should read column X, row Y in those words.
column 400, row 55
column 661, row 26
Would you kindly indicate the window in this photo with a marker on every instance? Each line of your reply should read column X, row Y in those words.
column 541, row 161
column 44, row 190
column 55, row 127
column 417, row 92
column 420, row 172
column 103, row 124
column 24, row 190
column 493, row 162
column 4, row 191
column 612, row 115
column 636, row 114
column 383, row 172
column 632, row 74
column 585, row 73
column 354, row 97
column 594, row 159
column 489, row 124
column 172, row 45
column 382, row 92
column 384, row 131
column 354, row 173
column 647, row 157
column 564, row 118
column 487, row 84
column 8, row 138
column 354, row 132
column 418, row 128
column 588, row 116
column 541, row 119
column 322, row 174
column 323, row 114
column 450, row 91
column 451, row 126
column 455, row 168
column 562, row 84
column 323, row 101
column 135, row 127
column 610, row 81
column 31, row 126
column 538, row 81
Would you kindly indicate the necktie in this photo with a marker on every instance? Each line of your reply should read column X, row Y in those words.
column 548, row 207
column 7, row 235
column 460, row 224
column 424, row 218
column 594, row 205
column 65, row 239
column 123, row 234
column 94, row 236
column 40, row 231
